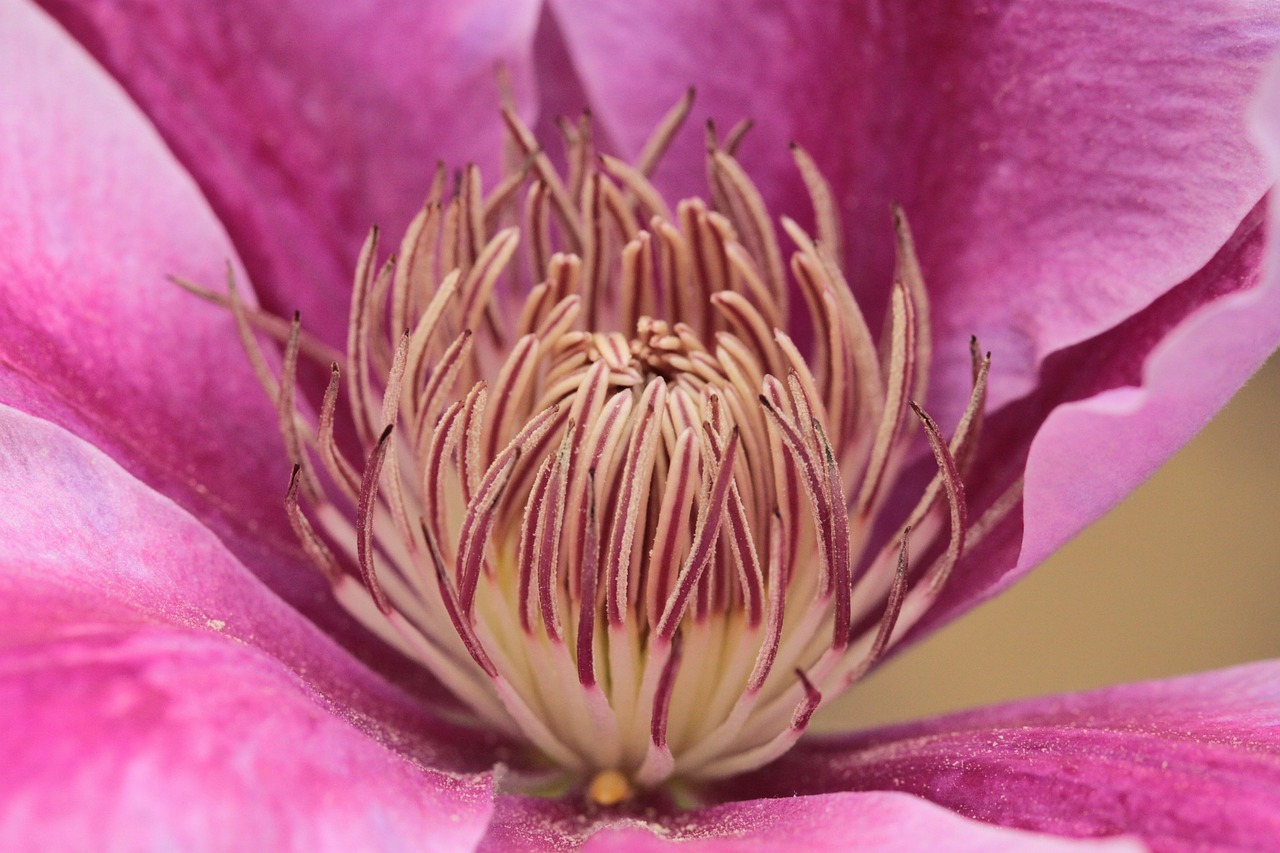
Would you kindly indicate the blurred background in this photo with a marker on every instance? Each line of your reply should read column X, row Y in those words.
column 1182, row 577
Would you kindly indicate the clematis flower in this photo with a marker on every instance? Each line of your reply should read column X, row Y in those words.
column 177, row 673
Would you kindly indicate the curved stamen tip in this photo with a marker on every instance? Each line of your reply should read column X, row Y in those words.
column 609, row 788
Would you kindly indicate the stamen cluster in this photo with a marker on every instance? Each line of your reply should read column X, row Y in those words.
column 600, row 491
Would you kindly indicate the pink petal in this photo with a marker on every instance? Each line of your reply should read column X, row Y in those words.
column 96, row 213
column 1114, row 441
column 306, row 123
column 1138, row 392
column 85, row 548
column 1063, row 163
column 1187, row 764
column 153, row 738
column 875, row 821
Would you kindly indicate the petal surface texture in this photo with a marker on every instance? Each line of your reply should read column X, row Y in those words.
column 306, row 123
column 97, row 213
column 1109, row 411
column 156, row 696
column 1186, row 764
column 870, row 821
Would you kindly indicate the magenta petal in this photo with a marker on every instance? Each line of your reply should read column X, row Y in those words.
column 96, row 213
column 305, row 123
column 1110, row 410
column 1088, row 455
column 873, row 821
column 1158, row 379
column 1114, row 440
column 1063, row 162
column 154, row 695
column 152, row 738
column 86, row 547
column 1187, row 764
column 1140, row 391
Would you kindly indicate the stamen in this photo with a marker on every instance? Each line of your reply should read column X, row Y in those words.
column 277, row 328
column 364, row 520
column 587, row 585
column 319, row 553
column 334, row 462
column 889, row 619
column 630, row 522
column 361, row 398
column 286, row 411
column 826, row 213
column 734, row 137
column 257, row 360
column 664, row 134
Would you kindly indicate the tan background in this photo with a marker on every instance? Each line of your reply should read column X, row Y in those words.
column 1184, row 576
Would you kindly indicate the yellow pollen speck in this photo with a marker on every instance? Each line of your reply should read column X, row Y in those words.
column 609, row 787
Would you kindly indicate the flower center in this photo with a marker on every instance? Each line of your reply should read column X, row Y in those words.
column 601, row 493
